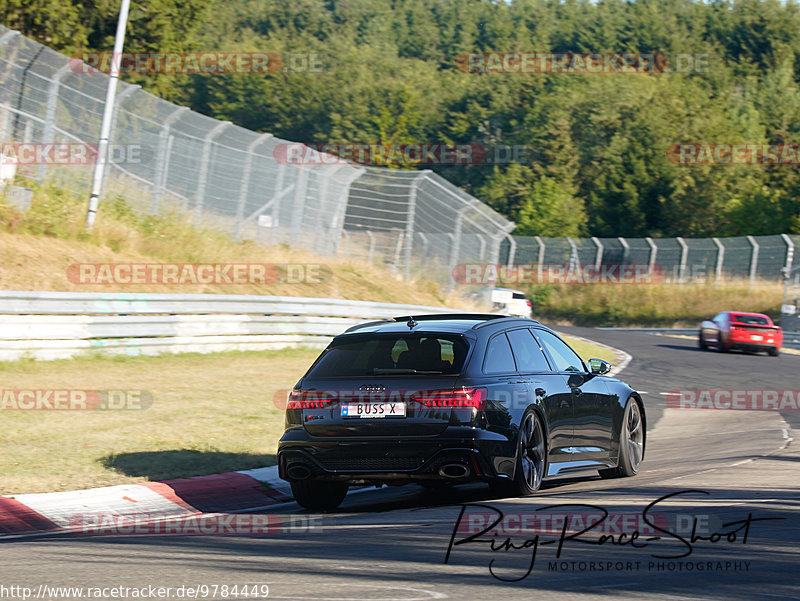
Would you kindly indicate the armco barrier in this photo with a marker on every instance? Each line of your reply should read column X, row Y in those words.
column 790, row 339
column 58, row 325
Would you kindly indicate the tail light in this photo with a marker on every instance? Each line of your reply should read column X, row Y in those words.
column 528, row 302
column 308, row 399
column 465, row 397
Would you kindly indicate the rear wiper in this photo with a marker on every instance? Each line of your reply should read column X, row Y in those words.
column 382, row 371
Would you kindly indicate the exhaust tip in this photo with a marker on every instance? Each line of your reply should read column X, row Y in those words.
column 454, row 470
column 298, row 472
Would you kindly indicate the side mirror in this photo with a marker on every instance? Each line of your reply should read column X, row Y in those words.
column 599, row 367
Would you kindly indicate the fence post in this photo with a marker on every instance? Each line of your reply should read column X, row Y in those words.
column 337, row 223
column 130, row 89
column 684, row 256
column 456, row 238
column 205, row 161
column 653, row 254
column 409, row 234
column 276, row 210
column 371, row 252
column 753, row 260
column 626, row 250
column 719, row 261
column 245, row 185
column 598, row 256
column 482, row 251
column 540, row 258
column 301, row 188
column 5, row 39
column 162, row 156
column 50, row 113
column 787, row 274
column 512, row 249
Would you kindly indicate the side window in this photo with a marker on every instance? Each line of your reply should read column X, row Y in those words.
column 565, row 358
column 498, row 357
column 529, row 356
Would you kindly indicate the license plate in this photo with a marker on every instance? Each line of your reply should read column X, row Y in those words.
column 756, row 337
column 374, row 410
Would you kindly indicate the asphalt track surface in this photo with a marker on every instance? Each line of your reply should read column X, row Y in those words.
column 391, row 543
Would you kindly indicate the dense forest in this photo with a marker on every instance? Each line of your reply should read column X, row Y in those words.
column 392, row 72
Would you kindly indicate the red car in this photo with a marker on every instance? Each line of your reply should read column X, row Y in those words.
column 745, row 331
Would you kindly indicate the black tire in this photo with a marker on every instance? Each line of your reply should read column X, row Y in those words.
column 531, row 460
column 321, row 496
column 701, row 343
column 721, row 345
column 774, row 352
column 631, row 443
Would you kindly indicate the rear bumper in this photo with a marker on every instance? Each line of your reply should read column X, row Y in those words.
column 396, row 460
column 746, row 345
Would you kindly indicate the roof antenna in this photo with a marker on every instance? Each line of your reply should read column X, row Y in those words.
column 411, row 323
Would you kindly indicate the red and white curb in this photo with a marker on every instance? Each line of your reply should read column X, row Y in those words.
column 232, row 492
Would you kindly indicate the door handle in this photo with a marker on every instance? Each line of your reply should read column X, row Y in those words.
column 540, row 392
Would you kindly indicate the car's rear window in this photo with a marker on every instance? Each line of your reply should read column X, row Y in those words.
column 755, row 320
column 376, row 355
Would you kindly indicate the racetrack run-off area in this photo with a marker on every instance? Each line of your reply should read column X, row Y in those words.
column 726, row 470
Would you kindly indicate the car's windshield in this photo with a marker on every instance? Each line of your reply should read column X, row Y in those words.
column 375, row 355
column 755, row 320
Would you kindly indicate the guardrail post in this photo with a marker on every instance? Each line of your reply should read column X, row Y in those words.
column 50, row 113
column 162, row 156
column 598, row 256
column 753, row 260
column 684, row 256
column 204, row 165
column 512, row 249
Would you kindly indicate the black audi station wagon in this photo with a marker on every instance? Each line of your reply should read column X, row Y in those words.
column 454, row 398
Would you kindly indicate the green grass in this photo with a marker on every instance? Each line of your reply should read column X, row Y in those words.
column 210, row 413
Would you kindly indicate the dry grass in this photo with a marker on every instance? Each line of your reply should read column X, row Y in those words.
column 651, row 304
column 37, row 246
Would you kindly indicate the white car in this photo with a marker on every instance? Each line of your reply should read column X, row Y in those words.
column 511, row 302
